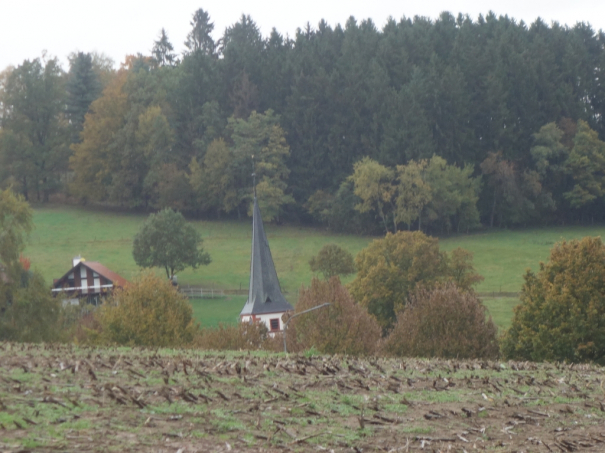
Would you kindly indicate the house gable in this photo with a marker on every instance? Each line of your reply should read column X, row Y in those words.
column 88, row 278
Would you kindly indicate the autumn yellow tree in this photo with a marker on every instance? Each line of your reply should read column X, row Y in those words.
column 390, row 269
column 126, row 142
column 374, row 185
column 413, row 192
column 147, row 312
column 95, row 157
column 562, row 310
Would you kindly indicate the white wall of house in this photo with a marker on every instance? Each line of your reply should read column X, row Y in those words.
column 266, row 319
column 84, row 280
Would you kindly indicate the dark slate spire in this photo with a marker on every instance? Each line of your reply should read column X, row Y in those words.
column 264, row 294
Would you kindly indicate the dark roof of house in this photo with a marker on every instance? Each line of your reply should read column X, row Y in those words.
column 264, row 293
column 110, row 275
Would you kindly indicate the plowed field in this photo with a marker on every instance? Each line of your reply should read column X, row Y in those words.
column 63, row 398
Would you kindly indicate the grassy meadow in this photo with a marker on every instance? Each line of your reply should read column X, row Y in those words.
column 212, row 312
column 62, row 232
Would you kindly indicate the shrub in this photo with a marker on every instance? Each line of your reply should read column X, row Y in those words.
column 341, row 328
column 79, row 323
column 562, row 310
column 243, row 336
column 443, row 322
column 390, row 269
column 29, row 312
column 147, row 312
column 332, row 260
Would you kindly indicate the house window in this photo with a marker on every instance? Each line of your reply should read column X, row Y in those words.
column 274, row 323
column 93, row 299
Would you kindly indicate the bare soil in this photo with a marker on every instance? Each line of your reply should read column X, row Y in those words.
column 64, row 398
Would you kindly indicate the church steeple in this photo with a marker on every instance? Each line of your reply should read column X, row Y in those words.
column 264, row 292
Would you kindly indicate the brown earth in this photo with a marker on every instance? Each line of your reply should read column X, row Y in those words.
column 64, row 398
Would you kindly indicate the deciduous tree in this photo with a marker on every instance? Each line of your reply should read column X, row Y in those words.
column 344, row 327
column 15, row 224
column 261, row 138
column 413, row 192
column 454, row 193
column 147, row 312
column 166, row 240
column 331, row 261
column 34, row 141
column 374, row 185
column 562, row 310
column 586, row 163
column 390, row 269
column 28, row 312
column 95, row 158
column 443, row 322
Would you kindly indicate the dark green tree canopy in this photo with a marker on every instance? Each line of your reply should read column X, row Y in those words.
column 414, row 90
column 199, row 38
column 83, row 87
column 162, row 50
column 167, row 240
column 35, row 137
column 28, row 312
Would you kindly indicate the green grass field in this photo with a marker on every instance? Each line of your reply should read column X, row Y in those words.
column 223, row 310
column 63, row 232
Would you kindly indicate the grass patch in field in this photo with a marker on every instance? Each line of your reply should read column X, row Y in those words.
column 211, row 312
column 502, row 256
column 433, row 397
column 501, row 310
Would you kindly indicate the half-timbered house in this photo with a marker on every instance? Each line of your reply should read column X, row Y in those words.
column 87, row 281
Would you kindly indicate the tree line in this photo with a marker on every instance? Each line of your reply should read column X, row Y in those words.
column 463, row 122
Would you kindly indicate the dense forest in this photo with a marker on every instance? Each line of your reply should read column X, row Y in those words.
column 441, row 125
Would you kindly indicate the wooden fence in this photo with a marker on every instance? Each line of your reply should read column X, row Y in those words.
column 196, row 292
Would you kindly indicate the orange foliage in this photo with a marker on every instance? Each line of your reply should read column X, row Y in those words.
column 344, row 327
column 443, row 322
column 25, row 262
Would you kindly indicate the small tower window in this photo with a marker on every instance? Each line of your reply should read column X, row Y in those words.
column 274, row 324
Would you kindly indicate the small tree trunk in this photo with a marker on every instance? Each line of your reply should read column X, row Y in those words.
column 384, row 219
column 491, row 219
column 25, row 190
